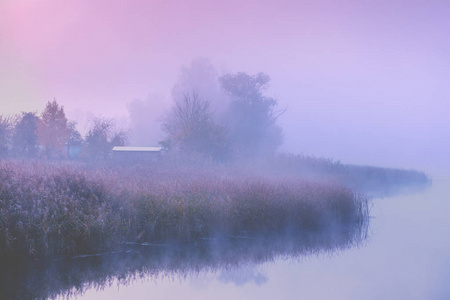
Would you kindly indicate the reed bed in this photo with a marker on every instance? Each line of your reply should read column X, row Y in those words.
column 52, row 209
column 373, row 181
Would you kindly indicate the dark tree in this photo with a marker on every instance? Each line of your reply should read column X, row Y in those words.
column 74, row 141
column 6, row 128
column 251, row 115
column 25, row 139
column 102, row 137
column 190, row 127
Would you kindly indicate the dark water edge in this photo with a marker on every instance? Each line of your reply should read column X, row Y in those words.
column 69, row 276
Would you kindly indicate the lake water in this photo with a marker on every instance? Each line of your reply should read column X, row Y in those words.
column 405, row 255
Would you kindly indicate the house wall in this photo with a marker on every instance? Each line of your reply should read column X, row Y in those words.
column 136, row 156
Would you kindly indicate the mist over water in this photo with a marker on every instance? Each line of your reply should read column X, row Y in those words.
column 403, row 253
column 406, row 254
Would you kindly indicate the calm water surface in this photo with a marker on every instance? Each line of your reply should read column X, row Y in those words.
column 406, row 256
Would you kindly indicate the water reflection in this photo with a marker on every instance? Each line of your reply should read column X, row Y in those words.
column 72, row 276
column 243, row 275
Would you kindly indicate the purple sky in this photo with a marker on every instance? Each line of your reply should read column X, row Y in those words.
column 365, row 81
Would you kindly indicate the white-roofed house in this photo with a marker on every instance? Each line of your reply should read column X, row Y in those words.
column 136, row 154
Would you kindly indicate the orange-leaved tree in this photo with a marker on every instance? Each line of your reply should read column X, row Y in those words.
column 53, row 130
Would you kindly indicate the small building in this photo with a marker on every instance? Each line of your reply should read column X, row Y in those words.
column 136, row 154
column 73, row 151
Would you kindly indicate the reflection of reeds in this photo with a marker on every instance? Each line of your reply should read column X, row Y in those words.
column 44, row 279
column 48, row 209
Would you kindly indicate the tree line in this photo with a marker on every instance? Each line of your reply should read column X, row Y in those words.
column 51, row 135
column 246, row 127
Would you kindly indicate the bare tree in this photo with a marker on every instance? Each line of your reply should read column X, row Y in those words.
column 190, row 127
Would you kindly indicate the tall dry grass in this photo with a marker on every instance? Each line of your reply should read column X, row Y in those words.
column 50, row 209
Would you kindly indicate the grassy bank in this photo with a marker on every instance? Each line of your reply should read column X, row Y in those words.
column 49, row 209
column 374, row 181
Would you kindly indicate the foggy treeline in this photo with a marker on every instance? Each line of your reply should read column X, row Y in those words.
column 230, row 118
column 219, row 117
column 51, row 135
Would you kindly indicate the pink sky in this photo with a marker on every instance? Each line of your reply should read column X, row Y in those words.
column 365, row 81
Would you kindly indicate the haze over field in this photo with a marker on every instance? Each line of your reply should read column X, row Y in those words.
column 364, row 82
